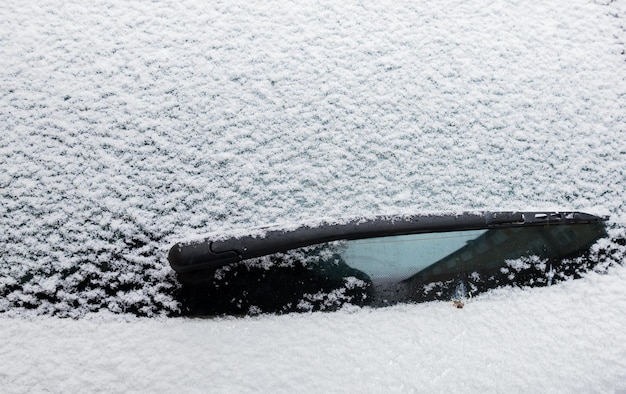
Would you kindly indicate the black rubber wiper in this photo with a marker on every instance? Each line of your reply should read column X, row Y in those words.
column 211, row 254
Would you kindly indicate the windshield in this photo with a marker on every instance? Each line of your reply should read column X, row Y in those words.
column 385, row 270
column 398, row 257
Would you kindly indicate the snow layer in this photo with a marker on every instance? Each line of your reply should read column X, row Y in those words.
column 127, row 126
column 565, row 338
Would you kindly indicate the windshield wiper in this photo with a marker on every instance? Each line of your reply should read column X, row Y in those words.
column 208, row 254
column 381, row 261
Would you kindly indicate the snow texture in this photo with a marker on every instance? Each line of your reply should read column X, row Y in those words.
column 564, row 338
column 129, row 125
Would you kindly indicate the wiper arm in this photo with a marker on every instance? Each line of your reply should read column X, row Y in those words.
column 212, row 254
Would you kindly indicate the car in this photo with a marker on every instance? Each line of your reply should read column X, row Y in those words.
column 381, row 261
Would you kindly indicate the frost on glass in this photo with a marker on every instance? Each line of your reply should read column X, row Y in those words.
column 305, row 279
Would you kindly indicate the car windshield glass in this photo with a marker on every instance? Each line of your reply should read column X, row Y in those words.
column 398, row 257
column 240, row 276
column 440, row 256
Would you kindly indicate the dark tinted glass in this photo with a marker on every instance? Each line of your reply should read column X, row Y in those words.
column 387, row 270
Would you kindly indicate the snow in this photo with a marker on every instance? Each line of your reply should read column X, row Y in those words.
column 566, row 338
column 129, row 126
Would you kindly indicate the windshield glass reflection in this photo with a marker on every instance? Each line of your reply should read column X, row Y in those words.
column 401, row 256
column 387, row 270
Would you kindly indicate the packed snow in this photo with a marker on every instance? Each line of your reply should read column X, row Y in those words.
column 128, row 126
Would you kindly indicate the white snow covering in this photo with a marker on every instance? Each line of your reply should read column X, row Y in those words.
column 129, row 125
column 565, row 338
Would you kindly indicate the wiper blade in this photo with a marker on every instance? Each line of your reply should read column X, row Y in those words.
column 208, row 254
column 382, row 261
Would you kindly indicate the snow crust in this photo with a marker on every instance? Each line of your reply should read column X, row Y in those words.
column 128, row 126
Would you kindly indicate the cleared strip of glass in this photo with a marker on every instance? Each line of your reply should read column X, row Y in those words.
column 399, row 257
